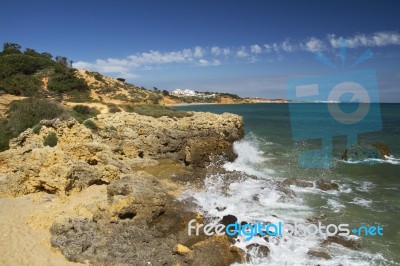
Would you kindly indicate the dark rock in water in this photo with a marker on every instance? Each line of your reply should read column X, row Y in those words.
column 298, row 182
column 316, row 219
column 351, row 244
column 359, row 152
column 220, row 209
column 228, row 219
column 323, row 185
column 319, row 254
column 261, row 250
column 383, row 148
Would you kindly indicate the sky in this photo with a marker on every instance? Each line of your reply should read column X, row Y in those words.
column 250, row 48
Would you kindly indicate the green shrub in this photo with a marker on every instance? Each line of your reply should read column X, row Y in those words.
column 113, row 109
column 5, row 135
column 64, row 80
column 156, row 111
column 21, row 84
column 50, row 140
column 36, row 129
column 90, row 124
column 83, row 112
column 28, row 112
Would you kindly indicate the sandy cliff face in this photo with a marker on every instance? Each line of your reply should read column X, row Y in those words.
column 122, row 143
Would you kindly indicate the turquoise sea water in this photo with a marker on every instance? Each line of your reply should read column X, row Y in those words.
column 369, row 191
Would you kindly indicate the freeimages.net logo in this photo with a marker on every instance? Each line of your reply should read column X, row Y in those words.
column 351, row 106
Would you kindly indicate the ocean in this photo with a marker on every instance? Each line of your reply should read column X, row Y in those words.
column 368, row 194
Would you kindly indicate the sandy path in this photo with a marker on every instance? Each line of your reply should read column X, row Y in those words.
column 25, row 223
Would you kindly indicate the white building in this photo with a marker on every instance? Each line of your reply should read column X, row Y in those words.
column 179, row 92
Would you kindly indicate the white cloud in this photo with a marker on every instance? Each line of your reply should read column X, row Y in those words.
column 202, row 56
column 242, row 52
column 268, row 48
column 198, row 52
column 226, row 51
column 216, row 50
column 313, row 45
column 203, row 62
column 377, row 39
column 287, row 46
column 255, row 49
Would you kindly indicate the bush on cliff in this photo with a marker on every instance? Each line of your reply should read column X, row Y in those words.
column 83, row 112
column 25, row 114
column 50, row 140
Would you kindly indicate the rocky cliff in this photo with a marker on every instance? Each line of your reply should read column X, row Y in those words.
column 100, row 204
column 119, row 144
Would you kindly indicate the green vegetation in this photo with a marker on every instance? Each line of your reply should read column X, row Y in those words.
column 28, row 112
column 25, row 114
column 90, row 124
column 36, row 129
column 156, row 111
column 50, row 140
column 64, row 80
column 21, row 73
column 83, row 112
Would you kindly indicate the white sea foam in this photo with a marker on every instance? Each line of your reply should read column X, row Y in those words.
column 250, row 158
column 335, row 205
column 365, row 186
column 361, row 202
column 388, row 159
column 260, row 198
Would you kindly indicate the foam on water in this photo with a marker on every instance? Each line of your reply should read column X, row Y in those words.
column 365, row 186
column 361, row 202
column 261, row 198
column 335, row 205
column 250, row 158
column 388, row 159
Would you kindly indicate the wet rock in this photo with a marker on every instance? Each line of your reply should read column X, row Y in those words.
column 348, row 243
column 228, row 219
column 260, row 250
column 316, row 219
column 383, row 148
column 239, row 255
column 359, row 152
column 298, row 182
column 324, row 185
column 319, row 254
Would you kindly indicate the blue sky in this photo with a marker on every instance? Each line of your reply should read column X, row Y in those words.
column 246, row 47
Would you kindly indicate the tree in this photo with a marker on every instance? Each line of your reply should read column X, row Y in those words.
column 121, row 79
column 47, row 55
column 156, row 89
column 29, row 51
column 70, row 63
column 62, row 60
column 11, row 48
column 165, row 93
